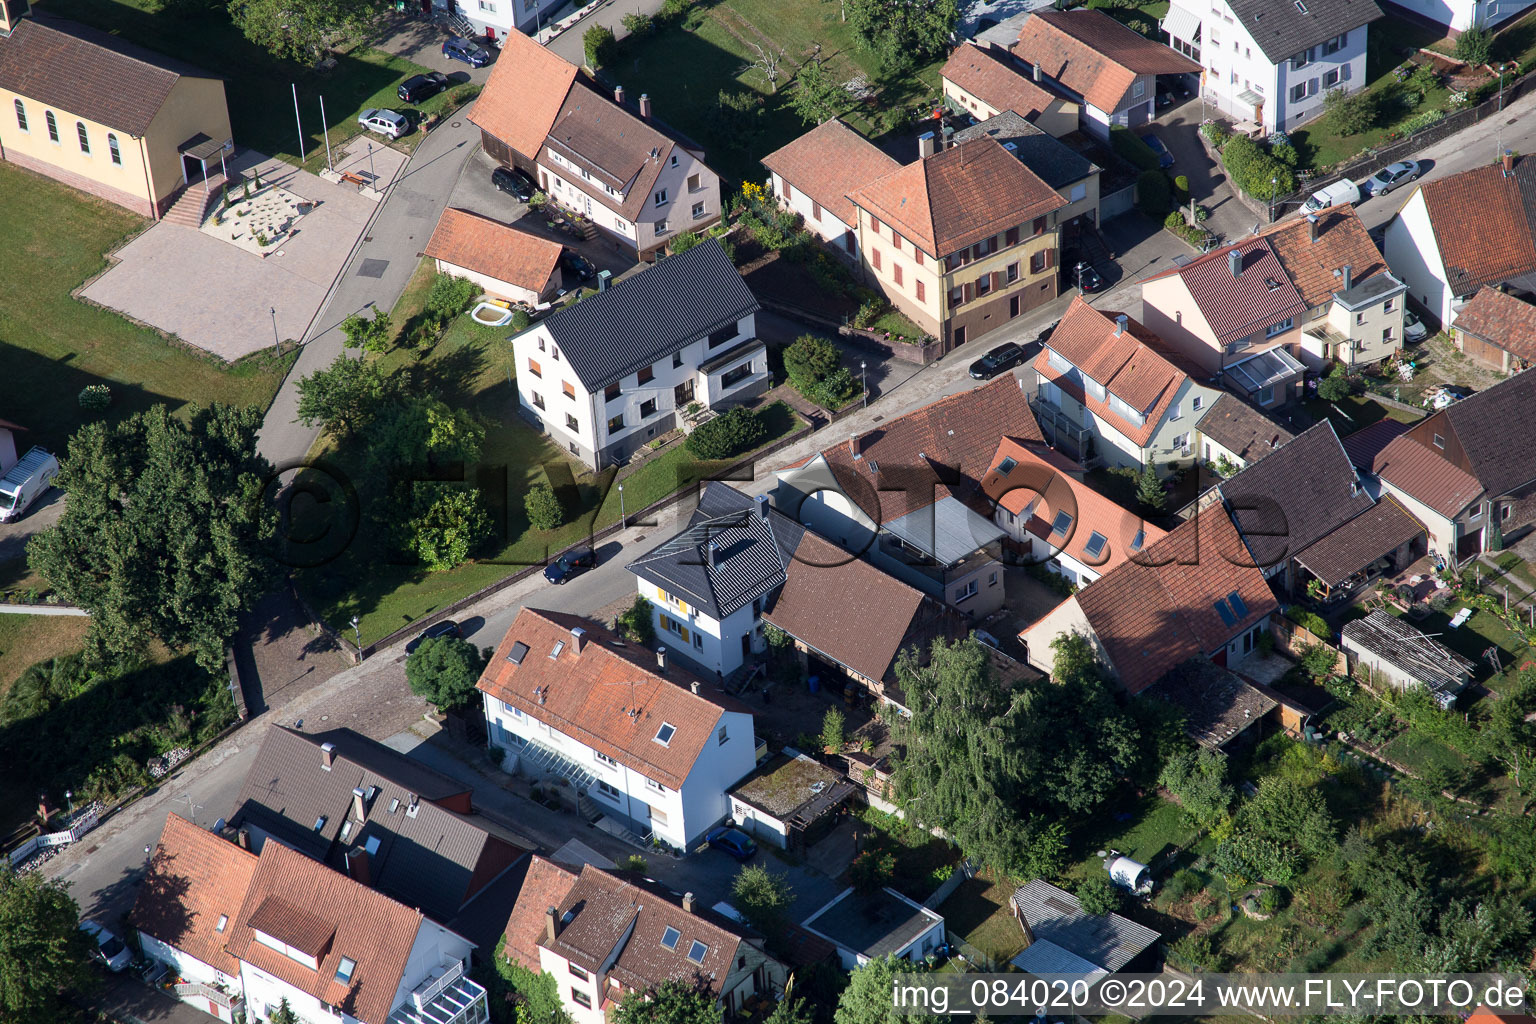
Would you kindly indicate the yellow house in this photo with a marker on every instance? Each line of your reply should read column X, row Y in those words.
column 105, row 117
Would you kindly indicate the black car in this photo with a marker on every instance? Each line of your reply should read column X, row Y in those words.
column 421, row 87
column 569, row 564
column 577, row 264
column 445, row 628
column 1164, row 94
column 1045, row 335
column 515, row 183
column 1081, row 275
column 1004, row 357
column 470, row 53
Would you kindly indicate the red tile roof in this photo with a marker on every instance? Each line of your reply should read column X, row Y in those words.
column 1341, row 240
column 1500, row 320
column 1159, row 608
column 959, row 196
column 1094, row 55
column 1260, row 296
column 1243, row 430
column 545, row 886
column 591, row 689
column 828, row 162
column 527, row 86
column 194, row 879
column 1427, row 476
column 1461, row 207
column 994, row 81
column 1043, row 482
column 489, row 247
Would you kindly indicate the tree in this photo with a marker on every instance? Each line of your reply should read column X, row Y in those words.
column 763, row 896
column 1149, row 489
column 636, row 624
column 1197, row 779
column 42, row 950
column 284, row 1014
column 1350, row 113
column 1478, row 937
column 344, row 397
column 739, row 115
column 444, row 670
column 637, row 24
column 872, row 869
column 543, row 507
column 300, row 30
column 1475, row 46
column 768, row 61
column 790, row 1011
column 597, row 45
column 809, row 360
column 372, row 333
column 832, row 730
column 1096, row 894
column 1509, row 735
column 672, row 1002
column 1286, row 811
column 422, row 432
column 444, row 524
column 1334, row 387
column 867, row 999
column 167, row 531
column 817, row 96
column 902, row 34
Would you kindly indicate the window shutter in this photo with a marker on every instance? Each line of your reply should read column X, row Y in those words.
column 976, row 251
column 967, row 292
column 997, row 279
column 1050, row 258
column 1039, row 225
column 1011, row 237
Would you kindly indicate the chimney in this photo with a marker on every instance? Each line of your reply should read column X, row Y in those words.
column 1121, row 321
column 359, row 803
column 761, row 501
column 645, row 106
column 1036, row 72
column 603, row 277
column 694, row 686
column 357, row 866
column 1347, row 275
column 618, row 95
column 687, row 902
column 243, row 838
column 853, row 446
column 327, row 755
column 925, row 145
column 1312, row 223
column 578, row 635
column 947, row 138
column 551, row 924
column 661, row 660
column 1235, row 263
column 1509, row 162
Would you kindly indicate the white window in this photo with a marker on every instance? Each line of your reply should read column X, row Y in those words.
column 1330, row 78
column 1300, row 60
column 604, row 759
column 1180, row 442
column 1079, row 191
column 1359, row 319
column 1174, row 413
column 1095, row 545
column 1389, row 306
column 697, row 951
column 1196, row 402
column 665, row 733
column 345, row 968
column 661, row 198
column 653, row 784
column 1335, row 44
column 1298, row 92
column 698, row 210
column 722, row 736
column 1280, row 328
column 223, row 920
column 674, row 159
column 21, row 115
column 1266, row 395
column 607, row 790
column 966, row 592
column 670, row 937
column 1139, row 89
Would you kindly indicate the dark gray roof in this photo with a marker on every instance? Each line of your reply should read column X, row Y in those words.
column 1370, row 291
column 653, row 314
column 1241, row 429
column 751, row 552
column 1053, row 162
column 1495, row 430
column 1282, row 29
column 1104, row 940
column 872, row 923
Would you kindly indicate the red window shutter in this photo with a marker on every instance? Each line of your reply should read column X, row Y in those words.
column 874, row 224
column 896, row 270
column 874, row 258
column 1050, row 258
column 917, row 254
column 895, row 241
column 921, row 297
column 1011, row 237
column 1039, row 225
column 968, row 292
column 997, row 279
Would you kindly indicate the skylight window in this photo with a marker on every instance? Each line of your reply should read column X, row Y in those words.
column 372, row 845
column 1095, row 545
column 669, row 938
column 345, row 968
column 346, row 830
column 1238, row 607
column 394, row 805
column 223, row 920
column 1138, row 540
column 518, row 653
column 697, row 951
column 1302, row 6
column 665, row 733
column 559, row 646
column 1062, row 523
column 320, row 823
column 1225, row 612
column 1006, row 466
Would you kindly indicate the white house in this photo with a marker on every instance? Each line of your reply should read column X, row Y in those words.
column 504, row 261
column 496, row 20
column 1459, row 15
column 647, row 744
column 622, row 367
column 709, row 584
column 1273, row 62
column 864, row 926
column 815, row 174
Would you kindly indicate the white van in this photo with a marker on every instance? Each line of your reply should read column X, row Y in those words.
column 1340, row 192
column 27, row 479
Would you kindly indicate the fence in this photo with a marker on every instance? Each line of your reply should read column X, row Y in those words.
column 1117, row 203
column 962, row 871
column 1294, row 641
column 881, row 345
column 88, row 820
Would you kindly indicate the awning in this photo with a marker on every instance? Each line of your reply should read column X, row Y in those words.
column 946, row 530
column 1250, row 98
column 200, row 147
column 1181, row 24
column 1374, row 533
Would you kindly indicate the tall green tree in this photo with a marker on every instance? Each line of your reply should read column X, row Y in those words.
column 816, row 95
column 673, row 1002
column 867, row 999
column 166, row 532
column 763, row 896
column 790, row 1011
column 1197, row 777
column 373, row 333
column 345, row 397
column 1149, row 489
column 1509, row 736
column 300, row 30
column 444, row 526
column 444, row 670
column 424, row 431
column 42, row 950
column 902, row 34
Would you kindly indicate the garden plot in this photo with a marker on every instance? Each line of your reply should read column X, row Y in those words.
column 260, row 223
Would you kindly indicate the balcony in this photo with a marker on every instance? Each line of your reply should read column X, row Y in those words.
column 212, row 993
column 445, row 997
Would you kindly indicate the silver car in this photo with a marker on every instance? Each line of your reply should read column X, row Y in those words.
column 1388, row 178
column 385, row 122
column 109, row 948
column 1413, row 328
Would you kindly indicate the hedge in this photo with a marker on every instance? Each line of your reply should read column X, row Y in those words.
column 1128, row 146
column 1253, row 167
column 1153, row 194
column 731, row 433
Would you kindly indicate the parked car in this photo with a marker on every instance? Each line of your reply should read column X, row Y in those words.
column 1081, row 275
column 515, row 183
column 733, row 841
column 29, row 478
column 421, row 87
column 445, row 628
column 385, row 122
column 1390, row 177
column 1164, row 94
column 1155, row 144
column 570, row 565
column 577, row 265
column 473, row 54
column 109, row 948
column 1340, row 192
column 1004, row 357
column 1413, row 327
column 1045, row 335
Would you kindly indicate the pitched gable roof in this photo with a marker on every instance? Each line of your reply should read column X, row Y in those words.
column 1365, row 444
column 194, row 879
column 1459, row 207
column 1426, row 476
column 994, row 81
column 1094, row 55
column 1502, row 320
column 1106, row 941
column 1283, row 28
column 328, row 914
column 1050, row 159
column 605, row 693
column 654, row 313
column 494, row 249
column 545, row 886
column 958, row 197
column 612, row 144
column 1241, row 429
column 1495, row 432
column 527, row 86
column 88, row 73
column 828, row 162
column 1311, row 264
column 1259, row 296
column 1379, row 530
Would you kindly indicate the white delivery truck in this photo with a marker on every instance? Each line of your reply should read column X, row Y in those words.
column 27, row 479
column 1337, row 194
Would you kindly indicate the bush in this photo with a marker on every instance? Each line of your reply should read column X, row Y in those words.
column 1255, row 170
column 835, row 391
column 636, row 624
column 1129, row 147
column 520, row 320
column 1351, row 113
column 1181, row 185
column 1336, row 386
column 597, row 44
column 1098, row 895
column 1319, row 662
column 868, row 313
column 1308, row 621
column 95, row 397
column 832, row 730
column 1474, row 46
column 809, row 360
column 735, row 431
column 1419, row 122
column 1174, row 221
column 671, row 9
column 449, row 297
column 1153, row 194
column 637, row 24
column 683, row 242
column 543, row 507
column 1216, row 134
column 872, row 869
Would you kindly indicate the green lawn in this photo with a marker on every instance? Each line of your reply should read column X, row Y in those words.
column 1354, row 413
column 28, row 639
column 1473, row 637
column 1141, row 17
column 980, row 911
column 1419, row 752
column 55, row 345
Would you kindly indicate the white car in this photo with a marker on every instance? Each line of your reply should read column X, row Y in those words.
column 110, row 949
column 385, row 122
column 1413, row 328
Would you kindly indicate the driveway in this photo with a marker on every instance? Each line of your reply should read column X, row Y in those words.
column 1179, row 130
column 43, row 514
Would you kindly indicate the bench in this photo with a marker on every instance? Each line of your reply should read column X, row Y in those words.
column 353, row 179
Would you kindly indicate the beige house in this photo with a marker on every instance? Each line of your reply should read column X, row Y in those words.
column 105, row 117
column 1074, row 177
column 985, row 83
column 506, row 262
column 814, row 174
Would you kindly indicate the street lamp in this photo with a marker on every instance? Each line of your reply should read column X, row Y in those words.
column 371, row 178
column 623, row 519
column 277, row 342
column 1274, row 185
column 358, row 636
column 69, row 798
column 1501, row 69
column 146, row 857
column 862, row 386
column 1081, row 266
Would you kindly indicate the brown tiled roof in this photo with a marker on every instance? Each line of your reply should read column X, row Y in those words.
column 994, row 81
column 545, row 886
column 527, row 86
column 194, row 879
column 613, row 145
column 1427, row 476
column 1500, row 320
column 1261, row 295
column 88, row 73
column 1043, row 481
column 1094, row 55
column 958, row 197
column 1158, row 609
column 1461, row 207
column 1495, row 432
column 1216, row 703
column 1378, row 531
column 294, row 925
column 587, row 689
column 1341, row 240
column 364, row 925
column 1365, row 444
column 1132, row 366
column 491, row 248
column 1240, row 428
column 827, row 163
column 903, row 462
